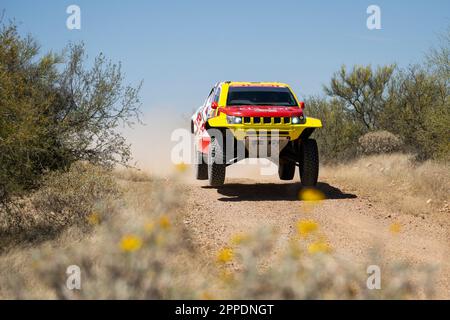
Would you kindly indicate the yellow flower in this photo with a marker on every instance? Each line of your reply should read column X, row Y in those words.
column 225, row 255
column 294, row 248
column 160, row 240
column 395, row 228
column 226, row 276
column 319, row 246
column 93, row 218
column 130, row 243
column 306, row 227
column 239, row 238
column 149, row 227
column 206, row 296
column 310, row 194
column 181, row 167
column 164, row 222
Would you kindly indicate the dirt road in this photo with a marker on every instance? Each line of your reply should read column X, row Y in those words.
column 353, row 224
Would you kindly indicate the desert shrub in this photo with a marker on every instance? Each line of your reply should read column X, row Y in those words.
column 379, row 142
column 76, row 197
column 418, row 111
column 146, row 252
column 363, row 92
column 306, row 269
column 132, row 174
column 151, row 261
column 74, row 193
column 131, row 263
column 55, row 111
column 141, row 253
column 338, row 138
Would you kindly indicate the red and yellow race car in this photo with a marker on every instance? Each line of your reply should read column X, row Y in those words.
column 241, row 120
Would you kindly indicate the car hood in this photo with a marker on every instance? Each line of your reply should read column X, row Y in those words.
column 262, row 111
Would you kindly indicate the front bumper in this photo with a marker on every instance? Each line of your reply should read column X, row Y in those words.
column 264, row 127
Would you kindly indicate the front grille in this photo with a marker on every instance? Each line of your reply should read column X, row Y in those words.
column 266, row 120
column 268, row 133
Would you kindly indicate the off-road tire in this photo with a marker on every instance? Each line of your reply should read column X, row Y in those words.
column 309, row 162
column 201, row 167
column 216, row 163
column 286, row 170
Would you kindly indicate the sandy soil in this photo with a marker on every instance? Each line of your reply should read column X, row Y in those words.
column 354, row 225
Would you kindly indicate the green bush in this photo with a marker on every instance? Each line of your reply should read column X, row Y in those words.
column 81, row 196
column 362, row 91
column 338, row 139
column 74, row 194
column 54, row 111
column 379, row 142
column 412, row 103
column 418, row 111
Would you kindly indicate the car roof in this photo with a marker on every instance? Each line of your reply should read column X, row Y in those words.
column 256, row 84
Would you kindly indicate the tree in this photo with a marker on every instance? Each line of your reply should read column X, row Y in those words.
column 338, row 139
column 54, row 111
column 418, row 110
column 92, row 104
column 438, row 59
column 362, row 92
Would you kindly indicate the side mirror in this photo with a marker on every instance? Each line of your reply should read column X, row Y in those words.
column 214, row 105
column 302, row 105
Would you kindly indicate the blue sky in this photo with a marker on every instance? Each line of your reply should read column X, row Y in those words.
column 181, row 48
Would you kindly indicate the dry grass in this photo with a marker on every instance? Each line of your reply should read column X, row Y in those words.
column 143, row 252
column 132, row 174
column 137, row 252
column 398, row 182
column 65, row 198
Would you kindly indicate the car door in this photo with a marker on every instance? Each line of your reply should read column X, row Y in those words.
column 201, row 116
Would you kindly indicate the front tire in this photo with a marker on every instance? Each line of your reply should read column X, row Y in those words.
column 216, row 163
column 309, row 162
column 286, row 170
column 201, row 167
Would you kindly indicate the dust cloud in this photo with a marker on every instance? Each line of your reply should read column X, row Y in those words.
column 151, row 147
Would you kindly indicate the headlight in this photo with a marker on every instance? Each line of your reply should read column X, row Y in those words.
column 298, row 120
column 234, row 120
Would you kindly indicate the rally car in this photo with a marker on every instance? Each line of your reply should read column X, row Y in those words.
column 242, row 120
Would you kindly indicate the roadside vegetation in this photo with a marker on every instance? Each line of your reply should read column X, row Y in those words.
column 64, row 202
column 139, row 248
column 398, row 182
column 55, row 111
column 412, row 103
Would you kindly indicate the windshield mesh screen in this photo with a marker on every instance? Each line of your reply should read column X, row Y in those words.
column 261, row 96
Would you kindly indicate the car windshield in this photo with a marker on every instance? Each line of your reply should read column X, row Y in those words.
column 260, row 96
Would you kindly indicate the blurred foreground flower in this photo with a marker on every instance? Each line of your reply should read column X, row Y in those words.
column 93, row 218
column 164, row 222
column 319, row 247
column 311, row 194
column 306, row 227
column 130, row 243
column 149, row 227
column 206, row 296
column 181, row 167
column 395, row 228
column 239, row 238
column 226, row 276
column 225, row 255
